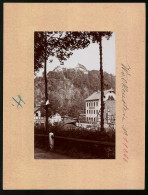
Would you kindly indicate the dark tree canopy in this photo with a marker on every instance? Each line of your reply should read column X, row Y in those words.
column 49, row 44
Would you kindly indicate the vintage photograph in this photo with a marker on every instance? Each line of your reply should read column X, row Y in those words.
column 74, row 95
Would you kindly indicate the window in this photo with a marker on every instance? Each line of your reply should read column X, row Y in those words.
column 94, row 103
column 89, row 111
column 94, row 119
column 36, row 114
column 89, row 104
column 94, row 111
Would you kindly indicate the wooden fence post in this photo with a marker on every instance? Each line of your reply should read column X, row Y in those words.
column 51, row 141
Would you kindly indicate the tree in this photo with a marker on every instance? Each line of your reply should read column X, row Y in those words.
column 96, row 37
column 47, row 44
column 57, row 44
column 61, row 45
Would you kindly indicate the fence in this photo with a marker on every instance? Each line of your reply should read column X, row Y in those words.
column 52, row 137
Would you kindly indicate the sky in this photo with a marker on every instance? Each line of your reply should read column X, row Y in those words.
column 89, row 57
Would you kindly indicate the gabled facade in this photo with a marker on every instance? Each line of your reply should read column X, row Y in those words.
column 93, row 104
column 38, row 119
column 55, row 118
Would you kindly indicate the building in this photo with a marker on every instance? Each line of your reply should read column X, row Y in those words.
column 93, row 105
column 81, row 68
column 38, row 118
column 109, row 113
column 55, row 118
column 82, row 118
column 58, row 69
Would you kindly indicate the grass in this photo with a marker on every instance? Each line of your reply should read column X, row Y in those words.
column 75, row 149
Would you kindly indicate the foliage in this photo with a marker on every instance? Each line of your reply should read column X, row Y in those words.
column 77, row 149
column 61, row 44
column 57, row 44
column 83, row 133
column 80, row 133
column 68, row 89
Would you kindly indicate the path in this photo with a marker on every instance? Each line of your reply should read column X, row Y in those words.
column 44, row 154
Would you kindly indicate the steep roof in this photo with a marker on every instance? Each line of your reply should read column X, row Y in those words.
column 97, row 95
column 36, row 109
column 94, row 96
column 109, row 90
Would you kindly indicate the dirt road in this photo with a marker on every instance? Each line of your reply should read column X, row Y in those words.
column 45, row 154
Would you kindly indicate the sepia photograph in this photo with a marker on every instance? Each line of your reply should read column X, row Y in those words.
column 74, row 95
column 80, row 69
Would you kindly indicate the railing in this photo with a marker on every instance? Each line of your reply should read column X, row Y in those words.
column 52, row 137
column 85, row 140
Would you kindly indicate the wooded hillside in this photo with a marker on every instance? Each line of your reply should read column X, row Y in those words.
column 68, row 89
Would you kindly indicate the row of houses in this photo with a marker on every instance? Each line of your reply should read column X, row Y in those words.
column 92, row 111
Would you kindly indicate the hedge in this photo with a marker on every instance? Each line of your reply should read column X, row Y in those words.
column 81, row 133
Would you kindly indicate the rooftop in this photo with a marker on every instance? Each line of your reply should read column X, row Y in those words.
column 94, row 96
column 97, row 95
column 81, row 66
column 36, row 109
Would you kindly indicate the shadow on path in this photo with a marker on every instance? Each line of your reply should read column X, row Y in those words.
column 44, row 154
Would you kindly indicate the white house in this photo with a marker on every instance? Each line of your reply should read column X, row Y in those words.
column 55, row 118
column 93, row 104
column 82, row 68
column 38, row 119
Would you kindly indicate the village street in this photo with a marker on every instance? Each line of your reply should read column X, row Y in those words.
column 44, row 154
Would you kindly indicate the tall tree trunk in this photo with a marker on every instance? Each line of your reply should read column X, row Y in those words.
column 102, row 85
column 45, row 77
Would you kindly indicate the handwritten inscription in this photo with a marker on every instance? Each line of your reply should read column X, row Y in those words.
column 18, row 102
column 125, row 74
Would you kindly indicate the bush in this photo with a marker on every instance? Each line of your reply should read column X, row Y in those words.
column 78, row 150
column 83, row 133
column 78, row 132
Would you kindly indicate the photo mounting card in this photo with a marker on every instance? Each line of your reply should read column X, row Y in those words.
column 74, row 96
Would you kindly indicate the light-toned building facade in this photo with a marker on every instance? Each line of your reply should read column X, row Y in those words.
column 93, row 104
column 40, row 120
column 82, row 68
column 55, row 118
